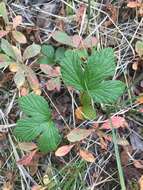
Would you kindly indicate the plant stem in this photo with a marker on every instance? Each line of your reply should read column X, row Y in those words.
column 118, row 160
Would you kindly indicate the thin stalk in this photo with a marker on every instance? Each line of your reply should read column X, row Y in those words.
column 118, row 160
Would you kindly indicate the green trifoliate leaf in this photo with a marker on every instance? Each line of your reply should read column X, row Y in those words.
column 100, row 66
column 59, row 54
column 38, row 126
column 35, row 106
column 107, row 91
column 72, row 71
column 47, row 50
column 49, row 138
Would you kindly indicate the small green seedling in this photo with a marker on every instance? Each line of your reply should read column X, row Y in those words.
column 49, row 55
column 38, row 125
column 91, row 78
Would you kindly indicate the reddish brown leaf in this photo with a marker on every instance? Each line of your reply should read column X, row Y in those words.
column 27, row 160
column 116, row 121
column 77, row 41
column 133, row 4
column 50, row 71
column 86, row 155
column 24, row 91
column 138, row 164
column 63, row 150
column 33, row 80
column 53, row 84
column 3, row 33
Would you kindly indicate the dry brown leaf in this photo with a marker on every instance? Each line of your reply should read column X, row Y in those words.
column 19, row 37
column 3, row 33
column 38, row 187
column 141, row 182
column 24, row 91
column 135, row 66
column 27, row 146
column 86, row 155
column 125, row 154
column 140, row 99
column 17, row 21
column 79, row 113
column 8, row 186
column 113, row 11
column 133, row 4
column 80, row 13
column 79, row 134
column 116, row 122
column 53, row 84
column 63, row 150
column 138, row 164
column 27, row 160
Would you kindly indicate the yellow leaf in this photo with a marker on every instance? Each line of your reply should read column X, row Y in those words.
column 79, row 113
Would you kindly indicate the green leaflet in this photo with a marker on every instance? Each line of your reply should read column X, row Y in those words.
column 7, row 48
column 38, row 126
column 91, row 79
column 107, row 91
column 72, row 71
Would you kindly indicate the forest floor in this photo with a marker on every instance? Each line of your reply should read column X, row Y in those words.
column 110, row 157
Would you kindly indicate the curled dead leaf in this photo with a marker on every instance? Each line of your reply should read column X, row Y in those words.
column 86, row 155
column 63, row 150
column 27, row 160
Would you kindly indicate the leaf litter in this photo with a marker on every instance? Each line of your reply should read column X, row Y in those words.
column 82, row 27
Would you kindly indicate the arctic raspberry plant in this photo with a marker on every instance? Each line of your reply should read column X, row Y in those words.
column 37, row 125
column 91, row 77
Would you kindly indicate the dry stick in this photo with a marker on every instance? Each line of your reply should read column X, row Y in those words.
column 22, row 170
